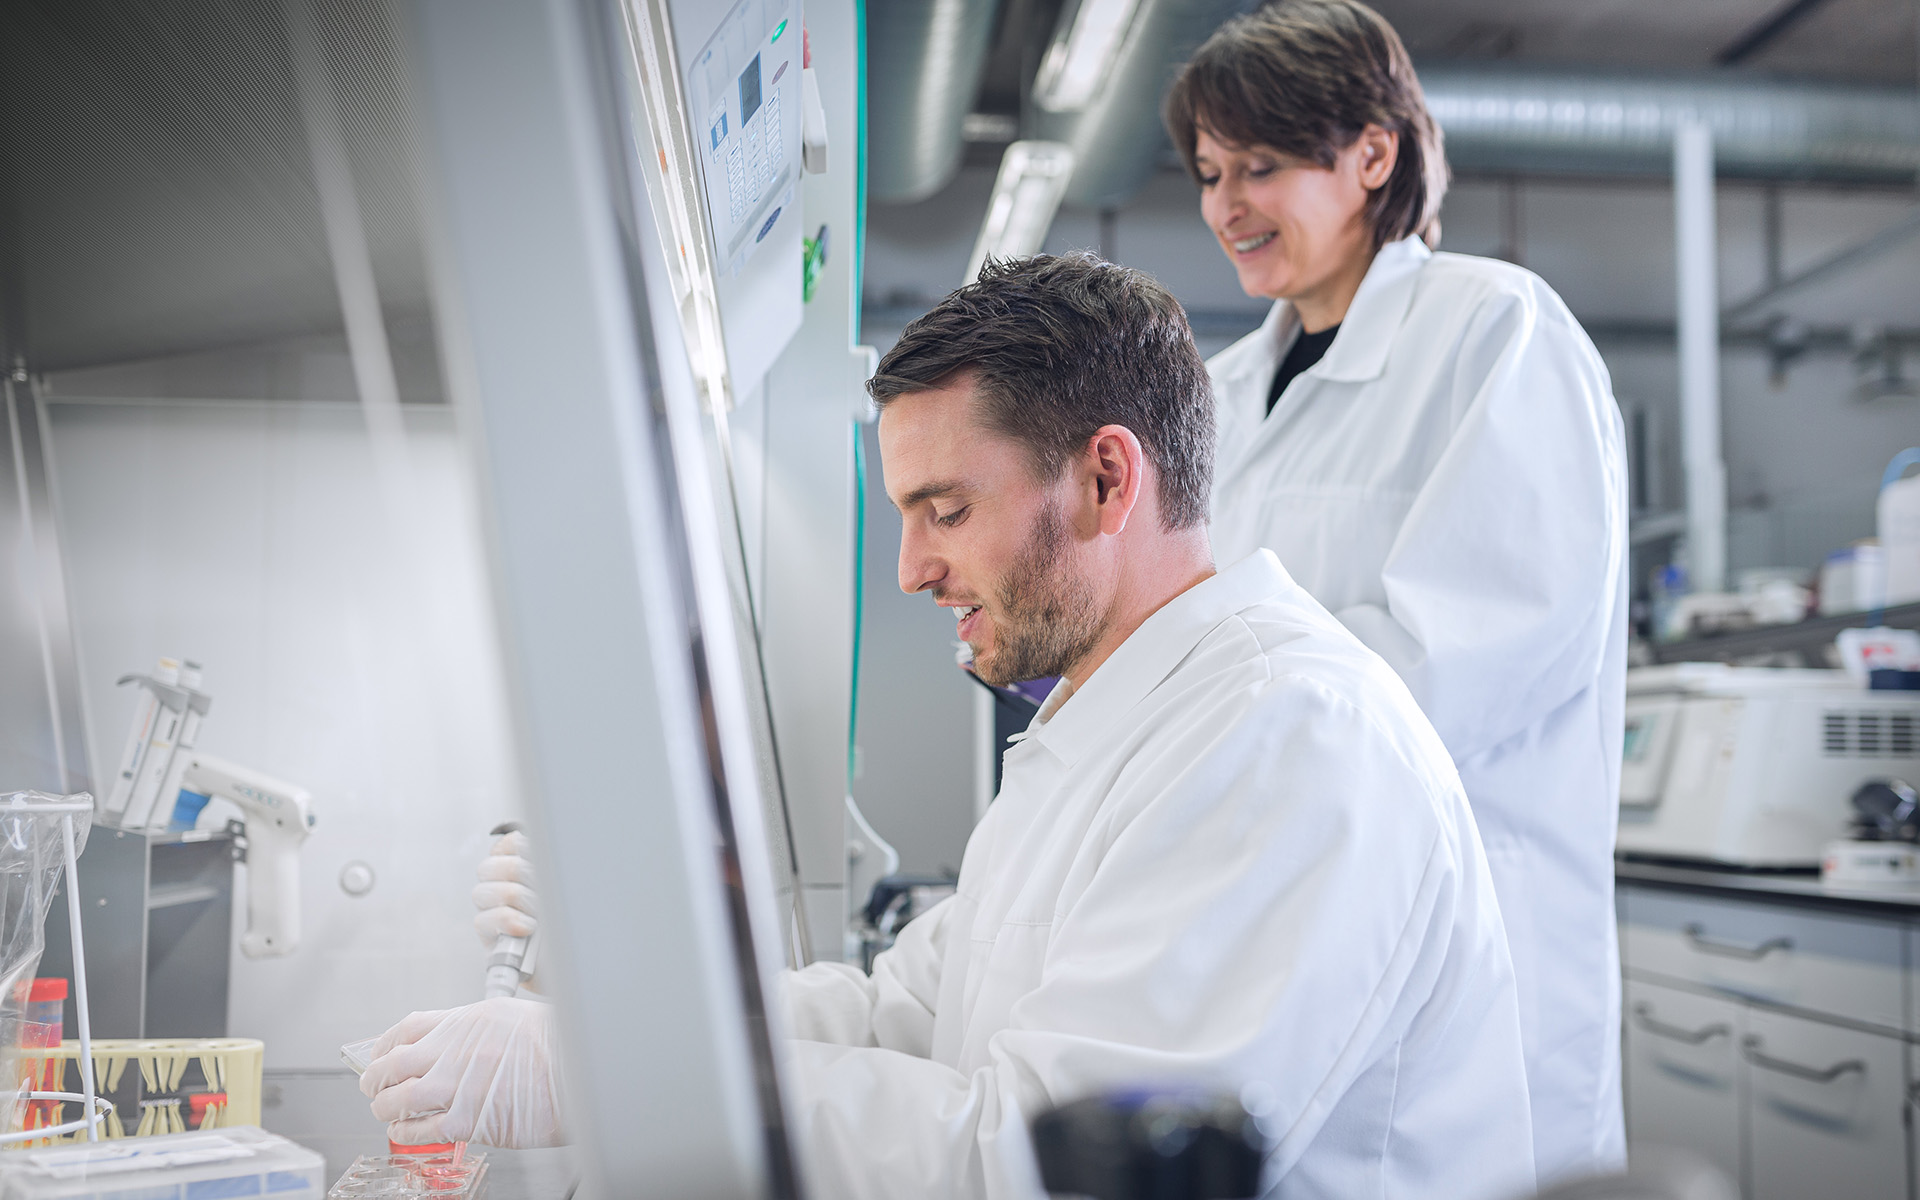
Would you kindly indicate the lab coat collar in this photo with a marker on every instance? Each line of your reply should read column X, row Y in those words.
column 1075, row 720
column 1359, row 350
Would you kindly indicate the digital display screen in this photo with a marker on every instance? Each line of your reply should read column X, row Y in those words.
column 750, row 90
column 1639, row 732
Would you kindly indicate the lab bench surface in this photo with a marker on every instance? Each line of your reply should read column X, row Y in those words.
column 1803, row 889
column 1808, row 639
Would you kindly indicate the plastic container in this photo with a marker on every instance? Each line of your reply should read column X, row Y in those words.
column 40, row 1029
column 400, row 1149
column 414, row 1177
column 1852, row 580
column 45, row 1000
column 1898, row 515
column 243, row 1161
column 204, row 1109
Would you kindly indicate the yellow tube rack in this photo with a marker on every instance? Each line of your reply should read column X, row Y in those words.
column 229, row 1065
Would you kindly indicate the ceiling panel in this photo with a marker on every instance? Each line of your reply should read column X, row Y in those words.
column 157, row 191
column 1860, row 41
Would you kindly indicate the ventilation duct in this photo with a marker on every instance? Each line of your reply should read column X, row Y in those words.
column 924, row 61
column 1526, row 122
column 1535, row 122
column 1117, row 142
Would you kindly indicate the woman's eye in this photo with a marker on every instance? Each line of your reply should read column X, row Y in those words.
column 1261, row 170
column 1207, row 181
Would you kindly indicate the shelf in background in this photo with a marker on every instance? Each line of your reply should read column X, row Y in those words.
column 1808, row 637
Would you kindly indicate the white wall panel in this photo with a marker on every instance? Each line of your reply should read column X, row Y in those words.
column 348, row 648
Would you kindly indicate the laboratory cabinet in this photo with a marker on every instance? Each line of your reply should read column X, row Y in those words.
column 1680, row 1058
column 1823, row 1109
column 1767, row 1024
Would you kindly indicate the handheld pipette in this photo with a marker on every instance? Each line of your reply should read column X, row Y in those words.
column 508, row 964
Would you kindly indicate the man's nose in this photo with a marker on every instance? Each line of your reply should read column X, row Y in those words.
column 920, row 569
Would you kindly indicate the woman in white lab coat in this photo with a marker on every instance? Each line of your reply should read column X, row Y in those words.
column 1429, row 442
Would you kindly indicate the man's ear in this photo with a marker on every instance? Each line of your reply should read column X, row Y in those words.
column 1117, row 466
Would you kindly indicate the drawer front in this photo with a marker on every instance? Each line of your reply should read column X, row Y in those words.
column 1848, row 967
column 1682, row 1066
column 1824, row 1110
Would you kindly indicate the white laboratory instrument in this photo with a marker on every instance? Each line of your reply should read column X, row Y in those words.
column 277, row 816
column 164, row 781
column 1754, row 766
column 165, row 724
column 742, row 68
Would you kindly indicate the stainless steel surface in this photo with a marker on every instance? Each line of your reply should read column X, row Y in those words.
column 1537, row 121
column 563, row 350
column 1644, row 1018
column 1118, row 143
column 1753, row 1049
column 807, row 562
column 734, row 413
column 113, row 891
column 924, row 59
column 189, row 938
column 159, row 919
column 1697, row 937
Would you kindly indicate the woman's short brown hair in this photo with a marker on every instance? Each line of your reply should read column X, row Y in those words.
column 1305, row 77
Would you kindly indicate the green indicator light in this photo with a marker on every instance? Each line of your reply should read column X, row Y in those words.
column 777, row 31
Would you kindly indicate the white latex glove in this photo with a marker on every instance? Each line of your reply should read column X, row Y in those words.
column 487, row 1073
column 505, row 895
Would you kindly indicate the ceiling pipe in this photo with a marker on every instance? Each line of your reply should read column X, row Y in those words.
column 1532, row 122
column 1544, row 123
column 1117, row 142
column 924, row 62
column 926, row 57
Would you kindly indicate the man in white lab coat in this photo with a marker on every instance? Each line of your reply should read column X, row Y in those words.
column 1229, row 852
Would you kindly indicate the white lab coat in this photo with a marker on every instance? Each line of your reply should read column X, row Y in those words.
column 1448, row 480
column 1237, row 853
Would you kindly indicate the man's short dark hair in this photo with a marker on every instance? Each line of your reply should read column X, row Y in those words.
column 1060, row 345
column 1305, row 77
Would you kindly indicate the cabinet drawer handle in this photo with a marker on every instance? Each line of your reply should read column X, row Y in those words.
column 1698, row 939
column 1643, row 1016
column 1751, row 1047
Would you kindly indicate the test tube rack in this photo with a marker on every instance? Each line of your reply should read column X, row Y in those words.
column 158, row 1078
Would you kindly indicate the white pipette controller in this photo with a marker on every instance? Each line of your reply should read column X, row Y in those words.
column 278, row 816
column 513, row 958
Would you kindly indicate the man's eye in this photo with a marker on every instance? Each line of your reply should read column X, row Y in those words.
column 953, row 518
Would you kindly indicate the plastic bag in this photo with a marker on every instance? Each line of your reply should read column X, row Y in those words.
column 32, row 856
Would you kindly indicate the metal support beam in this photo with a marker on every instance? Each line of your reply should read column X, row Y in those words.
column 1839, row 262
column 1770, row 29
column 1695, row 251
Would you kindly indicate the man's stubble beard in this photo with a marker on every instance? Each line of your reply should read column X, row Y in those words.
column 1049, row 619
